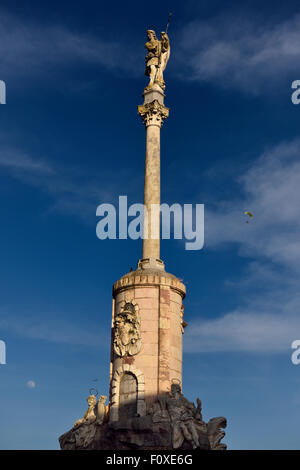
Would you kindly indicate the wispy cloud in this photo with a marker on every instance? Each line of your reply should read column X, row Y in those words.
column 19, row 161
column 73, row 190
column 28, row 49
column 229, row 50
column 268, row 317
column 245, row 331
column 56, row 331
column 241, row 51
column 271, row 188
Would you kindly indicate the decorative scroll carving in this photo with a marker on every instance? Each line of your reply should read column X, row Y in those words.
column 183, row 324
column 127, row 335
column 215, row 433
column 153, row 113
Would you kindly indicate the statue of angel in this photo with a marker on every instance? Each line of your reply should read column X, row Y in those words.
column 157, row 58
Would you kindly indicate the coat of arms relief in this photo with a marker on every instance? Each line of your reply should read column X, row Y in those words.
column 127, row 330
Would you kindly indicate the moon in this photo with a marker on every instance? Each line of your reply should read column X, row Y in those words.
column 31, row 384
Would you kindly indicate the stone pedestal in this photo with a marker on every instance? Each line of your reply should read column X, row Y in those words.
column 171, row 423
column 154, row 93
column 134, row 434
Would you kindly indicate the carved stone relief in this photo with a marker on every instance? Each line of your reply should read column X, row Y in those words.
column 127, row 335
column 186, row 420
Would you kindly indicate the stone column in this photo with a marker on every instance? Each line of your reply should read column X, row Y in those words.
column 153, row 113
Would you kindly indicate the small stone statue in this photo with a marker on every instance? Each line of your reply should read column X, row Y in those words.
column 182, row 413
column 159, row 410
column 84, row 430
column 96, row 413
column 101, row 409
column 90, row 415
column 198, row 414
column 156, row 58
column 186, row 421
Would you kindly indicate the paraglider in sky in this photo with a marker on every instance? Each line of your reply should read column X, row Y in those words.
column 249, row 214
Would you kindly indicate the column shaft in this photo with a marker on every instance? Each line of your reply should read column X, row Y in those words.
column 153, row 114
column 151, row 248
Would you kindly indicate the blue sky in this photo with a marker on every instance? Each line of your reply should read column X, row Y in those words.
column 70, row 139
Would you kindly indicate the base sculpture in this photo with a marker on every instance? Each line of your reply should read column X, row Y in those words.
column 173, row 422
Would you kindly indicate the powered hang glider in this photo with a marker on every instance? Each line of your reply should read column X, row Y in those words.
column 250, row 215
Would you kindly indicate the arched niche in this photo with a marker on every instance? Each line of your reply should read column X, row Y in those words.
column 128, row 386
column 128, row 396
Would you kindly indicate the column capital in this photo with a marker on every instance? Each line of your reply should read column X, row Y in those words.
column 153, row 113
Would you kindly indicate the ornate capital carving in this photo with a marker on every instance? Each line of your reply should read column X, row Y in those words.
column 153, row 113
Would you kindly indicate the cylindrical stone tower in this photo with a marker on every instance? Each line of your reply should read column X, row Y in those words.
column 147, row 315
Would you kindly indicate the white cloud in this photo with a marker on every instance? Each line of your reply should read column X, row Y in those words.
column 241, row 51
column 268, row 317
column 244, row 331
